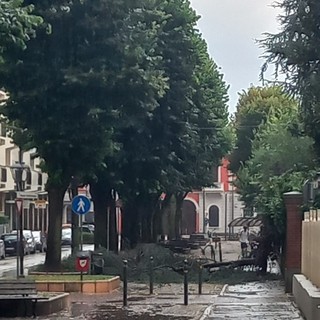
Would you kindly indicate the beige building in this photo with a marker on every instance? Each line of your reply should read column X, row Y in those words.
column 34, row 217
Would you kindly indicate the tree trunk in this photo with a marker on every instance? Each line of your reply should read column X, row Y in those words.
column 178, row 214
column 145, row 215
column 113, row 235
column 168, row 218
column 131, row 224
column 99, row 194
column 156, row 222
column 53, row 255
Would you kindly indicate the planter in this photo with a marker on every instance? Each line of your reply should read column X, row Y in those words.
column 51, row 303
column 85, row 286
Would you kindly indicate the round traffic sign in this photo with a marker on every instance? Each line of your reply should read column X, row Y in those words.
column 81, row 204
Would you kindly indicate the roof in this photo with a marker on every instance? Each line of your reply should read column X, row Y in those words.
column 246, row 221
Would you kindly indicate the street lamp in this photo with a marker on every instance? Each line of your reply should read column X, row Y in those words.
column 19, row 172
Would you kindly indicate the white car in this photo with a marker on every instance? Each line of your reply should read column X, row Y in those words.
column 2, row 250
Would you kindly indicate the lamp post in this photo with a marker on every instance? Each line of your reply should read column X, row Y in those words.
column 19, row 173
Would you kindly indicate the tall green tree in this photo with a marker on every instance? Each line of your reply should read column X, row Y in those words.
column 295, row 52
column 68, row 103
column 184, row 137
column 280, row 161
column 253, row 108
column 135, row 96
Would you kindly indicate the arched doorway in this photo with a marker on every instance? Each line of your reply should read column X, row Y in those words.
column 189, row 215
column 214, row 216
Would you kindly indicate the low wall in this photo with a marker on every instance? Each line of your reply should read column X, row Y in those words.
column 21, row 308
column 85, row 286
column 307, row 297
column 310, row 259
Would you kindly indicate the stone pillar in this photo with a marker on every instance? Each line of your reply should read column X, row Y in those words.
column 293, row 201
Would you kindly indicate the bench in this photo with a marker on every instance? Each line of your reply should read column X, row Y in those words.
column 19, row 290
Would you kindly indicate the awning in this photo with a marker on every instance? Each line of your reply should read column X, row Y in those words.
column 246, row 221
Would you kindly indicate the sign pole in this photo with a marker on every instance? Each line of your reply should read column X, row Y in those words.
column 18, row 243
column 81, row 205
column 119, row 226
column 81, row 233
column 108, row 229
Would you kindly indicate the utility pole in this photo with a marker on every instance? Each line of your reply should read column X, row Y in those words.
column 19, row 173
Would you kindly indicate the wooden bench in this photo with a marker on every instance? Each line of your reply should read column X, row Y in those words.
column 20, row 290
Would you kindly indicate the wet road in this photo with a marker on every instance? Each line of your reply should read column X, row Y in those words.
column 9, row 265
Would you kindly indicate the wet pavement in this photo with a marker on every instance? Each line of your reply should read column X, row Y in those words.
column 253, row 301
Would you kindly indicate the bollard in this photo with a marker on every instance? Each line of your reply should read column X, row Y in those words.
column 125, row 283
column 200, row 278
column 151, row 275
column 185, row 273
column 220, row 252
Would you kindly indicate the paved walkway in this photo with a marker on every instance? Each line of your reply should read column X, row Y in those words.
column 253, row 301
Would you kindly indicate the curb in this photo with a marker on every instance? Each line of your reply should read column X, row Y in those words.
column 224, row 289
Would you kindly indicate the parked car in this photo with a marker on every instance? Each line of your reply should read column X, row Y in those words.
column 86, row 229
column 31, row 243
column 89, row 225
column 10, row 243
column 66, row 237
column 41, row 241
column 2, row 250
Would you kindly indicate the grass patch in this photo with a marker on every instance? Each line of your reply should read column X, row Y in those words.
column 67, row 277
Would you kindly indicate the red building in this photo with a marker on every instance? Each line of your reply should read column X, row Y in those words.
column 212, row 209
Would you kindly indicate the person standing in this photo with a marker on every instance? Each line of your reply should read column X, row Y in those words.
column 244, row 240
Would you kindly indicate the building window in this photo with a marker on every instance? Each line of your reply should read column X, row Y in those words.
column 214, row 216
column 29, row 177
column 3, row 130
column 39, row 179
column 8, row 157
column 3, row 174
column 31, row 162
column 215, row 171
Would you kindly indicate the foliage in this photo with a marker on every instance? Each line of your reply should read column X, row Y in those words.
column 295, row 52
column 164, row 261
column 121, row 91
column 253, row 108
column 172, row 147
column 281, row 160
column 80, row 80
column 17, row 25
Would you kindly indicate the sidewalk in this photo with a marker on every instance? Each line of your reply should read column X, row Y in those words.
column 253, row 301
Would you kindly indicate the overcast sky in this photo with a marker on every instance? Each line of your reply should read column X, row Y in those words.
column 230, row 28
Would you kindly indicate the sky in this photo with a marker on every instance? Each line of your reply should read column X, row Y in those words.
column 231, row 28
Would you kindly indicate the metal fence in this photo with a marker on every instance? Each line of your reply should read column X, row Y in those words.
column 310, row 258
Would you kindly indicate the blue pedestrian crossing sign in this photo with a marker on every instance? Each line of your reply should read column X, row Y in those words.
column 81, row 204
